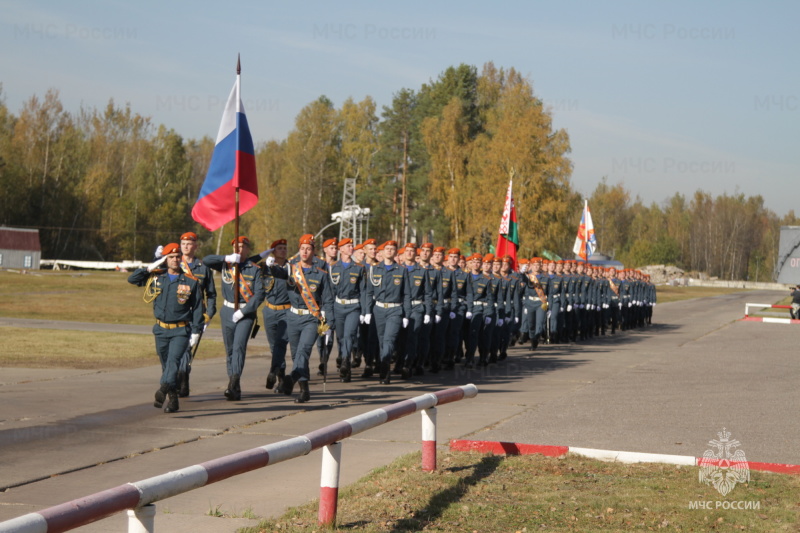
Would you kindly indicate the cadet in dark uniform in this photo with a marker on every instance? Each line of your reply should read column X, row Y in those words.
column 420, row 292
column 445, row 285
column 275, row 311
column 389, row 300
column 459, row 305
column 194, row 267
column 312, row 306
column 367, row 332
column 237, row 324
column 178, row 309
column 348, row 284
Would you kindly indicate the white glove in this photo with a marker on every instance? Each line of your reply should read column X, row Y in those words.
column 270, row 261
column 516, row 320
column 322, row 313
column 360, row 319
column 452, row 315
column 405, row 323
column 159, row 252
column 488, row 320
column 561, row 309
column 205, row 326
column 328, row 334
column 193, row 338
column 155, row 264
column 525, row 311
column 426, row 319
column 630, row 304
column 233, row 258
column 437, row 318
column 569, row 308
column 653, row 304
column 265, row 253
column 237, row 316
column 468, row 315
column 605, row 306
column 499, row 322
column 367, row 319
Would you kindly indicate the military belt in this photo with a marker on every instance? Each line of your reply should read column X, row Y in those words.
column 232, row 305
column 346, row 302
column 480, row 303
column 385, row 305
column 446, row 301
column 173, row 325
column 278, row 307
column 417, row 302
column 301, row 312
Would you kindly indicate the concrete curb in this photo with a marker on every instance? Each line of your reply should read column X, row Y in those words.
column 513, row 448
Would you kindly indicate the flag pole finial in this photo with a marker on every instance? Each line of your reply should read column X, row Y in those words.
column 238, row 64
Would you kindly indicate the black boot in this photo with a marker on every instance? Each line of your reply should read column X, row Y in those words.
column 288, row 385
column 172, row 405
column 161, row 395
column 233, row 393
column 183, row 384
column 271, row 379
column 344, row 372
column 406, row 373
column 338, row 363
column 385, row 374
column 304, row 393
column 277, row 380
column 367, row 372
column 357, row 359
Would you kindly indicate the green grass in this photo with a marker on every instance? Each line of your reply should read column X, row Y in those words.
column 668, row 293
column 53, row 348
column 475, row 492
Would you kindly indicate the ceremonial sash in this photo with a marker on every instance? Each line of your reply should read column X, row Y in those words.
column 613, row 287
column 537, row 286
column 244, row 289
column 187, row 270
column 305, row 292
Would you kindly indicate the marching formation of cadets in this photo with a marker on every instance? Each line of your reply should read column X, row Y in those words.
column 393, row 311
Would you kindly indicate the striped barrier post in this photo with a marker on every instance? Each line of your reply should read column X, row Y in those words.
column 82, row 511
column 329, row 484
column 429, row 439
column 142, row 520
column 748, row 318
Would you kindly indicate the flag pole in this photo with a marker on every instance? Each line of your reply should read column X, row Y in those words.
column 236, row 184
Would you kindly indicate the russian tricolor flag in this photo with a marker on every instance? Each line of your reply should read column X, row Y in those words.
column 233, row 165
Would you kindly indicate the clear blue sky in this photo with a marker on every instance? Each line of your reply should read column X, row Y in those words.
column 664, row 97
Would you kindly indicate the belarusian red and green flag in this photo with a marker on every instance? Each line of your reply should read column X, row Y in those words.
column 508, row 240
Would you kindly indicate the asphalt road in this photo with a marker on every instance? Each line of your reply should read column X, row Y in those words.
column 666, row 389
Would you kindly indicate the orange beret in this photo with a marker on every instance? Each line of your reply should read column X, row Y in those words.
column 242, row 239
column 475, row 257
column 345, row 241
column 171, row 248
column 410, row 245
column 506, row 259
column 307, row 239
column 368, row 241
column 380, row 247
column 277, row 243
column 462, row 258
column 391, row 243
column 358, row 247
column 329, row 242
column 428, row 245
column 453, row 251
column 189, row 236
column 488, row 258
column 440, row 249
column 523, row 261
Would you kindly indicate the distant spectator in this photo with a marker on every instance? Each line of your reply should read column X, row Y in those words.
column 795, row 302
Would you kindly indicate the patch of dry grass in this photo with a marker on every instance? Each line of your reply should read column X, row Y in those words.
column 476, row 492
column 54, row 348
column 667, row 293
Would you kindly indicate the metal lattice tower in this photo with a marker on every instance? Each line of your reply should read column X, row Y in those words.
column 348, row 227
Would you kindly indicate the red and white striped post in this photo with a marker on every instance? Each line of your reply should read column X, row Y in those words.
column 429, row 439
column 329, row 484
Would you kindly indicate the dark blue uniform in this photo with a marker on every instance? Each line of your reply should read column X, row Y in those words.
column 389, row 301
column 348, row 284
column 178, row 310
column 237, row 334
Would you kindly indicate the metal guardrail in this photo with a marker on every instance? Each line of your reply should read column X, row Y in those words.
column 138, row 497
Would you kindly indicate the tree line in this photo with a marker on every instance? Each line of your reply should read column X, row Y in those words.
column 433, row 165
